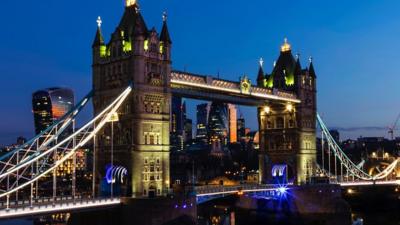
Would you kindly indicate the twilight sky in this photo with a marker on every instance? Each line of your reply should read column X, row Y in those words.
column 354, row 46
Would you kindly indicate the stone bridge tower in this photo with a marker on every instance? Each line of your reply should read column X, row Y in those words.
column 287, row 131
column 141, row 57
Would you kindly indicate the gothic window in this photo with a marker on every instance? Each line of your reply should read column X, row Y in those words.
column 151, row 177
column 279, row 123
column 158, row 191
column 152, row 139
column 158, row 160
column 146, row 160
column 152, row 168
column 151, row 108
column 144, row 192
column 158, row 177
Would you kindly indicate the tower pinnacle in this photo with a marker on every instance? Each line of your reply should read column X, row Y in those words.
column 286, row 46
column 261, row 62
column 99, row 21
column 164, row 16
column 130, row 3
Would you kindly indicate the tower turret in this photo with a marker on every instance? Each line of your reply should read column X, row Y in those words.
column 311, row 70
column 283, row 72
column 98, row 46
column 165, row 39
column 261, row 75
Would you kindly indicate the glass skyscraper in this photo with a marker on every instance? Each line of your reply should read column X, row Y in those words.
column 202, row 113
column 50, row 105
column 218, row 123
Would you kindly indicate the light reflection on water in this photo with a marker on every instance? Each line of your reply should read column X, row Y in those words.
column 242, row 217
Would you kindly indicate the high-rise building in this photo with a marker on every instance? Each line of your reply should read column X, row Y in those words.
column 218, row 123
column 203, row 111
column 50, row 105
column 241, row 128
column 232, row 123
column 188, row 130
column 178, row 113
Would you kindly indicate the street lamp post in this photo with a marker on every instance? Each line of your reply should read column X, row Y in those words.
column 114, row 118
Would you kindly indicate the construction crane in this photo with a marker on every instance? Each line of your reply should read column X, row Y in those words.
column 393, row 127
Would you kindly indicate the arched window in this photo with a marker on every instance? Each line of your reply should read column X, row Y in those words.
column 152, row 139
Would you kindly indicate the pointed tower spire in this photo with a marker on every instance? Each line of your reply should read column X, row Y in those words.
column 297, row 68
column 164, row 37
column 311, row 70
column 98, row 40
column 261, row 75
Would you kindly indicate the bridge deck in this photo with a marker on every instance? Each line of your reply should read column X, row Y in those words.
column 47, row 206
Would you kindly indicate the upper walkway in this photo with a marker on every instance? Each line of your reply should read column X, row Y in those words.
column 209, row 88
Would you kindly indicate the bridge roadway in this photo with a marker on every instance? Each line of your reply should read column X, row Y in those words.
column 45, row 206
column 370, row 183
column 220, row 189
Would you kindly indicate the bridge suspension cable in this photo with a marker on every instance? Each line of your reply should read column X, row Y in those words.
column 350, row 167
column 40, row 163
column 41, row 141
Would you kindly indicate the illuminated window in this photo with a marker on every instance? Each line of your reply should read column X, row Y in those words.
column 146, row 45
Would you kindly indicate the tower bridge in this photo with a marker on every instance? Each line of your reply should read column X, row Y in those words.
column 133, row 84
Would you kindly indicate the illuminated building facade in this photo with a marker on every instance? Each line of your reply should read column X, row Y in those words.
column 287, row 132
column 241, row 128
column 188, row 130
column 177, row 124
column 203, row 110
column 50, row 105
column 232, row 123
column 218, row 124
column 139, row 56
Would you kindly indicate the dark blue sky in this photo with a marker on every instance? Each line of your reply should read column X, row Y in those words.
column 354, row 45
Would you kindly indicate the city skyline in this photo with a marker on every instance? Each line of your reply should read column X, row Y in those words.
column 58, row 59
column 199, row 113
